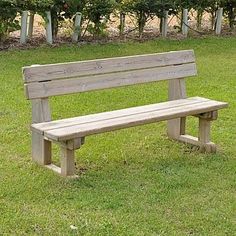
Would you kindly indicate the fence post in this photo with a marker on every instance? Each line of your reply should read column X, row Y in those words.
column 49, row 27
column 164, row 27
column 219, row 16
column 31, row 25
column 75, row 35
column 185, row 22
column 23, row 32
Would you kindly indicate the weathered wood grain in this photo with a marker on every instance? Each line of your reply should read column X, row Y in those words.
column 67, row 161
column 86, row 129
column 42, row 127
column 75, row 85
column 177, row 90
column 41, row 148
column 103, row 66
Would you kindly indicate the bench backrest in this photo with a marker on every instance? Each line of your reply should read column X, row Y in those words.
column 43, row 81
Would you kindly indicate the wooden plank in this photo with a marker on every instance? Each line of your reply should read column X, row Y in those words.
column 41, row 148
column 83, row 130
column 40, row 110
column 208, row 147
column 54, row 168
column 57, row 170
column 213, row 115
column 72, row 144
column 189, row 139
column 204, row 130
column 102, row 66
column 41, row 127
column 182, row 125
column 204, row 136
column 75, row 85
column 177, row 90
column 67, row 162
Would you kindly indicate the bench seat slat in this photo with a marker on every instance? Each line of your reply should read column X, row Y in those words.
column 89, row 83
column 105, row 125
column 57, row 124
column 102, row 66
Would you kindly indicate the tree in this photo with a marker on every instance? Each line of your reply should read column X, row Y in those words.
column 8, row 22
column 230, row 12
column 98, row 12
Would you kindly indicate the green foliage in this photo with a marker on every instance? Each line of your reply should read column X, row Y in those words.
column 230, row 12
column 146, row 9
column 39, row 6
column 62, row 10
column 98, row 12
column 8, row 22
column 143, row 10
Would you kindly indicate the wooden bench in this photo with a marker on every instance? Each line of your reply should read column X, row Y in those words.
column 44, row 81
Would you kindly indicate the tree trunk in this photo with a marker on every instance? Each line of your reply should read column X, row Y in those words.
column 122, row 24
column 55, row 26
column 141, row 23
column 231, row 17
column 199, row 19
column 213, row 19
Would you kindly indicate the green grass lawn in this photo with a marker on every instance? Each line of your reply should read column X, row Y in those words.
column 133, row 181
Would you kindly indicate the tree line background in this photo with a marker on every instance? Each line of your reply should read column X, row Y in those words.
column 97, row 13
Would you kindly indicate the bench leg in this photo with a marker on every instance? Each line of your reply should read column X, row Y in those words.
column 176, row 127
column 204, row 136
column 41, row 149
column 176, row 130
column 67, row 162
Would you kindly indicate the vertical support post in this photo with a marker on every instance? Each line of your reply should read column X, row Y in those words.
column 219, row 16
column 23, row 32
column 76, row 33
column 164, row 27
column 67, row 160
column 177, row 90
column 182, row 125
column 204, row 135
column 204, row 130
column 49, row 27
column 31, row 25
column 41, row 148
column 185, row 22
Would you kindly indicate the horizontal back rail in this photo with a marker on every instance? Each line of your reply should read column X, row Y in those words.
column 58, row 79
column 67, row 86
column 102, row 66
